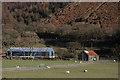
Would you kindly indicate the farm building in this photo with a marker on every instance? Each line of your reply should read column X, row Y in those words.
column 30, row 52
column 88, row 56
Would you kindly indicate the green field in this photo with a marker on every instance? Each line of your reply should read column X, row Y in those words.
column 32, row 63
column 98, row 70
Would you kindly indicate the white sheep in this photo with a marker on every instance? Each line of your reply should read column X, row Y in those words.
column 75, row 61
column 80, row 61
column 17, row 66
column 67, row 72
column 114, row 60
column 48, row 67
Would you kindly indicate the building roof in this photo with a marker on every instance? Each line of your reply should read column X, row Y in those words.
column 90, row 53
column 30, row 49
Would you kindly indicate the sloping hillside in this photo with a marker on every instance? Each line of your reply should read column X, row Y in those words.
column 17, row 18
column 31, row 11
column 20, row 19
column 103, row 14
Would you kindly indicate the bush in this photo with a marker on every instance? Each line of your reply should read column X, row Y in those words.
column 9, row 37
column 63, row 30
column 80, row 19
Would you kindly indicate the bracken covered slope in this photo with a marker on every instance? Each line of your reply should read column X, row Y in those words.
column 103, row 14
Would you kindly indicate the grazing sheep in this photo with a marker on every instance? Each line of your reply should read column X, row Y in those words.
column 67, row 72
column 17, row 66
column 48, row 67
column 80, row 61
column 85, row 70
column 75, row 61
column 114, row 60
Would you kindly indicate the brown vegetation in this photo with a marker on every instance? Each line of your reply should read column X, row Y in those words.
column 64, row 25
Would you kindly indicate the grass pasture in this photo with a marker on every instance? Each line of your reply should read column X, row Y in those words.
column 98, row 70
column 32, row 63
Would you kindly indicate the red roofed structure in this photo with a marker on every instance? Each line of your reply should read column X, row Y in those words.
column 88, row 56
column 91, row 53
